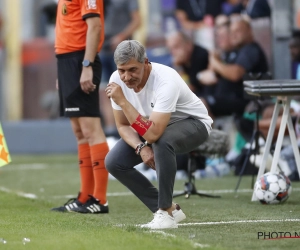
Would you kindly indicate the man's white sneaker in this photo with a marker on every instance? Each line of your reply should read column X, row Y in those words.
column 162, row 220
column 178, row 214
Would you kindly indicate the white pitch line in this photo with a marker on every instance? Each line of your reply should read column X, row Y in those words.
column 19, row 193
column 162, row 233
column 33, row 166
column 195, row 244
column 232, row 222
column 222, row 191
column 115, row 194
column 69, row 196
column 236, row 222
column 228, row 191
column 33, row 196
column 201, row 245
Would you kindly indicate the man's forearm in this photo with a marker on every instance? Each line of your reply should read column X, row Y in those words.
column 222, row 69
column 129, row 135
column 92, row 41
column 132, row 116
column 230, row 72
column 129, row 111
column 132, row 26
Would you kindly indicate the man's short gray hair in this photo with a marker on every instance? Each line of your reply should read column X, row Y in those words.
column 129, row 49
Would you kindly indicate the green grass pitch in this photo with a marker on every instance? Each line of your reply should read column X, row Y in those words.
column 229, row 222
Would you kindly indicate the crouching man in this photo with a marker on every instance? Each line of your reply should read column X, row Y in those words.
column 157, row 116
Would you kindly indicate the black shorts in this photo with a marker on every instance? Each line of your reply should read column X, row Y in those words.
column 73, row 101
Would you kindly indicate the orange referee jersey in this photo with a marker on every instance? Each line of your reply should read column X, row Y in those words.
column 71, row 27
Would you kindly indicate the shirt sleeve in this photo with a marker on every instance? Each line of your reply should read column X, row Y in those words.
column 114, row 105
column 248, row 57
column 90, row 8
column 113, row 78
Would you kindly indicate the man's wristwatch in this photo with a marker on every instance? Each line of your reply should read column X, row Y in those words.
column 87, row 63
column 139, row 147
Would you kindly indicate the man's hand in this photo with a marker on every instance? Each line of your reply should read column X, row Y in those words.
column 86, row 80
column 115, row 92
column 214, row 60
column 207, row 77
column 148, row 157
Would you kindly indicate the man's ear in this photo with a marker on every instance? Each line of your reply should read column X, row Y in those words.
column 146, row 60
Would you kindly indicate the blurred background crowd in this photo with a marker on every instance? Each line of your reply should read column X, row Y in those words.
column 214, row 44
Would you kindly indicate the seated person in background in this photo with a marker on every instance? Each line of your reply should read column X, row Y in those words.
column 256, row 8
column 287, row 153
column 196, row 18
column 224, row 49
column 294, row 47
column 122, row 19
column 264, row 123
column 252, row 8
column 246, row 126
column 191, row 13
column 228, row 97
column 188, row 58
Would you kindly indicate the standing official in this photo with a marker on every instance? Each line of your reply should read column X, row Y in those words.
column 79, row 37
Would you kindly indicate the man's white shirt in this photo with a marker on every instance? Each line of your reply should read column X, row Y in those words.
column 165, row 92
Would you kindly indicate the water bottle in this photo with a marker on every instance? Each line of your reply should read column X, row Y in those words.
column 213, row 171
column 223, row 168
column 208, row 172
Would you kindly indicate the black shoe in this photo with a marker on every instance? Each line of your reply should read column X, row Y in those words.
column 70, row 206
column 92, row 206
